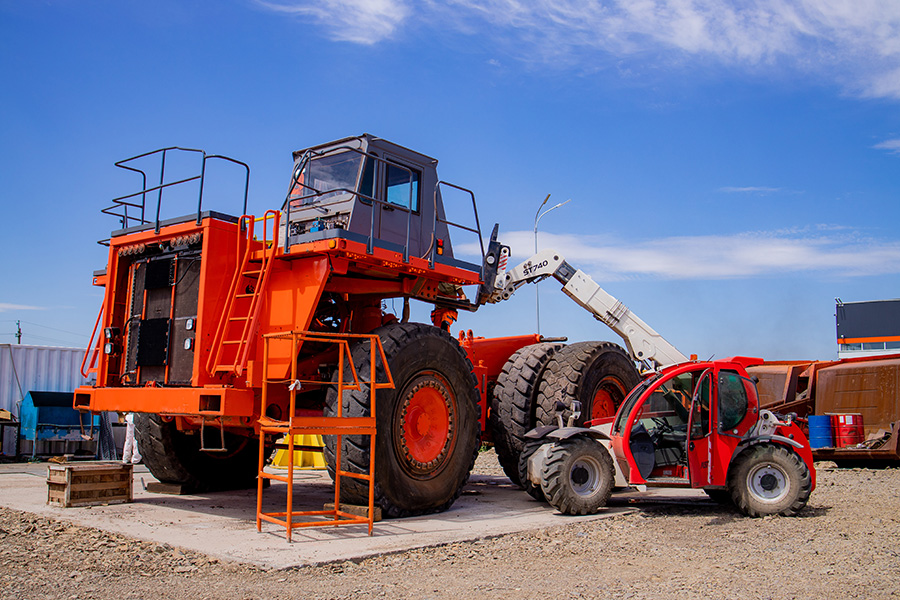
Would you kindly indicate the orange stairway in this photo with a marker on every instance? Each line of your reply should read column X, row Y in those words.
column 338, row 425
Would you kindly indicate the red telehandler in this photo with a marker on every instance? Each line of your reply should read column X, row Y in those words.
column 691, row 424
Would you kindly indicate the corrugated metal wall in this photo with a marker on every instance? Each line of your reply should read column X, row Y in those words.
column 37, row 368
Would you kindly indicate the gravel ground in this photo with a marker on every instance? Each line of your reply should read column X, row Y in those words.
column 845, row 544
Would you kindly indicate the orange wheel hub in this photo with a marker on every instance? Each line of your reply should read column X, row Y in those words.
column 427, row 418
column 607, row 398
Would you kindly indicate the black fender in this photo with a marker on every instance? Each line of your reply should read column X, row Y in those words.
column 556, row 433
column 763, row 439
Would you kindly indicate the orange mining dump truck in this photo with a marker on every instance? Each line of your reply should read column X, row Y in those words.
column 198, row 331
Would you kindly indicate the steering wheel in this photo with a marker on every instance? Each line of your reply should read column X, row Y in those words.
column 662, row 426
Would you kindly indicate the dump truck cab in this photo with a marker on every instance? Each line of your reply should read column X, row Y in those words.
column 372, row 191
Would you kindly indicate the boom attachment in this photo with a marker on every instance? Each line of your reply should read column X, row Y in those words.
column 643, row 342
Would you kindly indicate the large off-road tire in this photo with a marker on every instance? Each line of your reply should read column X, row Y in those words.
column 513, row 403
column 175, row 457
column 597, row 374
column 578, row 476
column 533, row 490
column 769, row 479
column 428, row 425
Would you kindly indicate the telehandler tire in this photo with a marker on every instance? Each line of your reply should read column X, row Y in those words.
column 597, row 374
column 533, row 490
column 428, row 425
column 578, row 476
column 513, row 403
column 174, row 456
column 769, row 479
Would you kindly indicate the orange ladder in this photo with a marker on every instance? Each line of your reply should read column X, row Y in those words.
column 338, row 425
column 240, row 319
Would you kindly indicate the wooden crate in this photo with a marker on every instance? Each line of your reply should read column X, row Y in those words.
column 87, row 484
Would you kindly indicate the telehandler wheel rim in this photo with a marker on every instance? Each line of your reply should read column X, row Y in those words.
column 585, row 475
column 427, row 428
column 608, row 396
column 768, row 482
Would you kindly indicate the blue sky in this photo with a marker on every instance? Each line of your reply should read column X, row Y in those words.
column 732, row 166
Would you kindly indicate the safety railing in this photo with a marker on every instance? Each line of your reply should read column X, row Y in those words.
column 89, row 360
column 132, row 209
column 438, row 219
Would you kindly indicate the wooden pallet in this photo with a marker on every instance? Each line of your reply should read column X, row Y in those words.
column 89, row 484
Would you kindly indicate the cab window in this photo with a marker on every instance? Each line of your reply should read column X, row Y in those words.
column 733, row 400
column 670, row 402
column 325, row 177
column 629, row 402
column 664, row 415
column 402, row 187
column 700, row 408
column 367, row 181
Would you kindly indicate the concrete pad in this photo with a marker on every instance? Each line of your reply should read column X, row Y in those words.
column 223, row 524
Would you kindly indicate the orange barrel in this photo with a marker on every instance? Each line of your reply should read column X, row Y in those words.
column 847, row 428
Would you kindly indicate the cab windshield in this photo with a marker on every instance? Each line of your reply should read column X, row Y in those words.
column 325, row 177
column 630, row 401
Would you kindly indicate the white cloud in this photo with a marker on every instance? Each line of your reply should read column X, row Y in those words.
column 740, row 256
column 749, row 190
column 5, row 307
column 892, row 146
column 359, row 21
column 853, row 42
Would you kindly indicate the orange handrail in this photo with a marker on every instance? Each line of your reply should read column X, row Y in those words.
column 252, row 321
column 91, row 368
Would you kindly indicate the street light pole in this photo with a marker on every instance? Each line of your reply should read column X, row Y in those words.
column 537, row 218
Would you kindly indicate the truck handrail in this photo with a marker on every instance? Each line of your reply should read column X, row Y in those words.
column 88, row 361
column 121, row 204
column 446, row 221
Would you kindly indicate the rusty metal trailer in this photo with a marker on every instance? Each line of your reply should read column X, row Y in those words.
column 867, row 386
